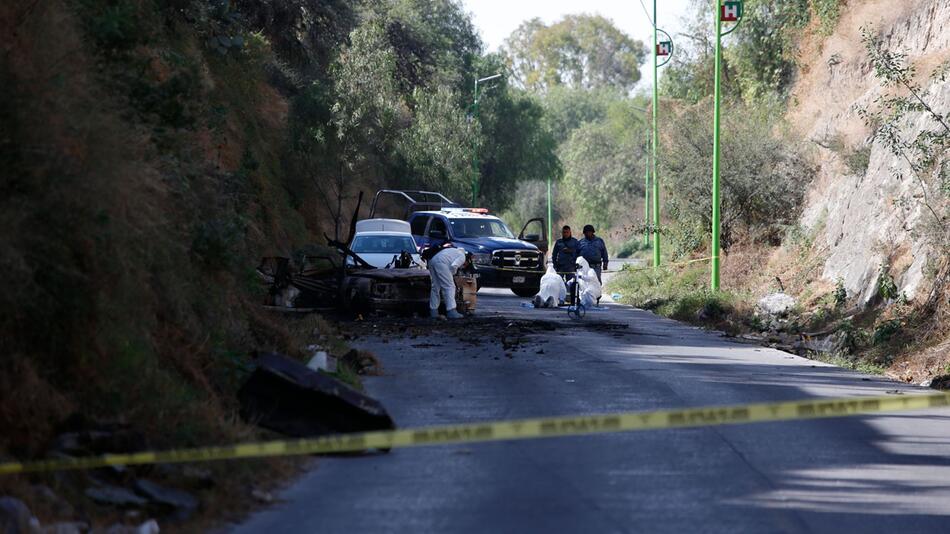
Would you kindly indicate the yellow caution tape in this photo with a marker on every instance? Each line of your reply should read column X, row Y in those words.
column 509, row 430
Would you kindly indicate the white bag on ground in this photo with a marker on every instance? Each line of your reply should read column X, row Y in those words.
column 553, row 290
column 588, row 287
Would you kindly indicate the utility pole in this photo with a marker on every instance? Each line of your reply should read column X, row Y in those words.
column 664, row 48
column 728, row 11
column 476, row 178
column 656, row 181
column 646, row 205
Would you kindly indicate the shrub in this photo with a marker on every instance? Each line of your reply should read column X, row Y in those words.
column 763, row 173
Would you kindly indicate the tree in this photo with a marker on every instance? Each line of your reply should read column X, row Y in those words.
column 763, row 175
column 437, row 147
column 604, row 162
column 579, row 51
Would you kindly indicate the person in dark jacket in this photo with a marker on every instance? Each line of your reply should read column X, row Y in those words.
column 593, row 249
column 565, row 252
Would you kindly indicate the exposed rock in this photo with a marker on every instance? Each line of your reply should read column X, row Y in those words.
column 183, row 504
column 285, row 396
column 196, row 477
column 776, row 304
column 79, row 435
column 864, row 217
column 15, row 517
column 115, row 496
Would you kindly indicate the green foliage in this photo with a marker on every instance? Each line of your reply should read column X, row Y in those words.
column 631, row 246
column 579, row 51
column 858, row 159
column 763, row 54
column 438, row 146
column 828, row 12
column 515, row 147
column 598, row 164
column 115, row 25
column 762, row 177
column 886, row 287
column 681, row 294
column 886, row 330
column 840, row 294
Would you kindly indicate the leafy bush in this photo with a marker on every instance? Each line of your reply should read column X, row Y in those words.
column 631, row 246
column 858, row 159
column 763, row 173
column 886, row 287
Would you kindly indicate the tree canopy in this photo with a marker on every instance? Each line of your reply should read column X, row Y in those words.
column 579, row 51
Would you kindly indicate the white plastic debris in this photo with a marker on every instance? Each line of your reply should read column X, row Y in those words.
column 319, row 361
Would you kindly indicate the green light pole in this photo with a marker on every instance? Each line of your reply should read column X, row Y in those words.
column 664, row 48
column 728, row 11
column 646, row 205
column 550, row 218
column 476, row 178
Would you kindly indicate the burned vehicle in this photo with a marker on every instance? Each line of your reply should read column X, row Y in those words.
column 342, row 279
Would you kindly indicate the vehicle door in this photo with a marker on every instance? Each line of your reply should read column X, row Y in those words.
column 417, row 226
column 535, row 232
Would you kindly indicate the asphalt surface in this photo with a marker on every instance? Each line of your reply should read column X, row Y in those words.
column 886, row 473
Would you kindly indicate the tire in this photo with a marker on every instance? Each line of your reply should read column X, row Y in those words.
column 525, row 292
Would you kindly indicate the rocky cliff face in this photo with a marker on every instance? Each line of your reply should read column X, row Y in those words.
column 864, row 207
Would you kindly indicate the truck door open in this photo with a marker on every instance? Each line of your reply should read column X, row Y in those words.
column 535, row 232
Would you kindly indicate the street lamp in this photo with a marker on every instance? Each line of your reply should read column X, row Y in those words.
column 477, row 173
column 646, row 191
column 664, row 48
column 726, row 11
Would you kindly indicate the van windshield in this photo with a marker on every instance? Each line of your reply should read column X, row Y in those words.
column 383, row 244
column 480, row 228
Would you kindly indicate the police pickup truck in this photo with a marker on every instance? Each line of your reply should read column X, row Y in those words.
column 500, row 259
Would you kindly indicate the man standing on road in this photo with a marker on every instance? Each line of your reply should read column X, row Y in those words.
column 593, row 249
column 442, row 268
column 564, row 254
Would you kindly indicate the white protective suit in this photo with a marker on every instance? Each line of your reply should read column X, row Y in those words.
column 553, row 290
column 588, row 287
column 442, row 267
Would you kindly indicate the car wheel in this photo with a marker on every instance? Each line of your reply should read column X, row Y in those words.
column 525, row 292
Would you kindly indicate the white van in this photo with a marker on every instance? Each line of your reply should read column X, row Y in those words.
column 379, row 241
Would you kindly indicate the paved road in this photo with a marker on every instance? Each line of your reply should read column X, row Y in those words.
column 869, row 474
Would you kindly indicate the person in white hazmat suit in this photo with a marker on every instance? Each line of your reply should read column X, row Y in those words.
column 588, row 286
column 553, row 290
column 442, row 268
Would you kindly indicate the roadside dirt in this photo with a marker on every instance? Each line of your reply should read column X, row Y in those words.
column 506, row 333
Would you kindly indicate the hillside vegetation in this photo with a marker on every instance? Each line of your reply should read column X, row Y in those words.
column 153, row 152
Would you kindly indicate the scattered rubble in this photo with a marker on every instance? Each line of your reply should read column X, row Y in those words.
column 179, row 504
column 285, row 396
column 117, row 496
